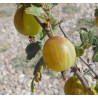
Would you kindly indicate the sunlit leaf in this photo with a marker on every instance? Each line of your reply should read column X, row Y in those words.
column 36, row 11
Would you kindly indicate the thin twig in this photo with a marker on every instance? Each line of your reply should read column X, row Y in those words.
column 62, row 31
column 59, row 22
column 43, row 25
column 96, row 75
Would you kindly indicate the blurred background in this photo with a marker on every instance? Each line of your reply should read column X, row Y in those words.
column 16, row 72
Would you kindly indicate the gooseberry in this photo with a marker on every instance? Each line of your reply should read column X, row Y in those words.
column 73, row 86
column 59, row 53
column 26, row 24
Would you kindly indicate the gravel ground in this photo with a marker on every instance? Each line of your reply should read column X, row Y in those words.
column 14, row 78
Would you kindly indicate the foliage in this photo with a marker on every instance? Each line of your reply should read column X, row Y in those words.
column 96, row 88
column 87, row 38
column 95, row 49
column 34, row 10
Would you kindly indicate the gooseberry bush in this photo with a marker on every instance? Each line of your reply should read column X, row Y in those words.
column 35, row 20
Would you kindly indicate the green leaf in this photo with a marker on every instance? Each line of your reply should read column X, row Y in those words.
column 38, row 4
column 91, row 91
column 32, row 49
column 83, row 36
column 32, row 86
column 95, row 42
column 36, row 11
column 40, row 35
column 79, row 50
column 96, row 88
column 95, row 49
column 86, row 44
column 91, row 37
column 38, row 65
column 77, row 46
column 95, row 56
column 96, row 12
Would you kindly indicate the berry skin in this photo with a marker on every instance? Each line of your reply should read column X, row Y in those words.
column 26, row 24
column 59, row 53
column 73, row 86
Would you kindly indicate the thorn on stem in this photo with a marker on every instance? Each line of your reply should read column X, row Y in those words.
column 59, row 22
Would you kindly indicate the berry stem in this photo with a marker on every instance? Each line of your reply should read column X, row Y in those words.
column 43, row 25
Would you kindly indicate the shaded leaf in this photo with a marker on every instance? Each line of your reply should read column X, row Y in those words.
column 38, row 4
column 91, row 37
column 38, row 65
column 96, row 12
column 32, row 49
column 32, row 86
column 37, row 73
column 95, row 56
column 95, row 49
column 95, row 42
column 96, row 88
column 83, row 36
column 40, row 35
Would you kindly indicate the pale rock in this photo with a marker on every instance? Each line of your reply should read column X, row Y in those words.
column 89, row 79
